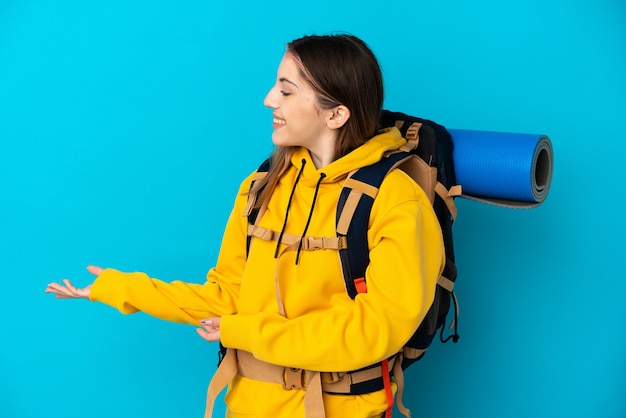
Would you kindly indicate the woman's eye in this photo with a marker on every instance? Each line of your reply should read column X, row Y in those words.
column 284, row 93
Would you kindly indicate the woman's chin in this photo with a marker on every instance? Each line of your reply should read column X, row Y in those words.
column 279, row 140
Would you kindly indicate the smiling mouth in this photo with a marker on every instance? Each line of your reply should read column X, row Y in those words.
column 279, row 122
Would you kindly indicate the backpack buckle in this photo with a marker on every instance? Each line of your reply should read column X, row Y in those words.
column 315, row 243
column 294, row 378
column 332, row 377
column 321, row 243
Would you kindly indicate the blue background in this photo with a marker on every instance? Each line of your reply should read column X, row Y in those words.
column 126, row 126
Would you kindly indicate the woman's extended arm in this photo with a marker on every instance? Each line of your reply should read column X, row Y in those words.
column 176, row 301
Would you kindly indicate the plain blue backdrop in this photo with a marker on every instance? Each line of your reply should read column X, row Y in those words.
column 126, row 126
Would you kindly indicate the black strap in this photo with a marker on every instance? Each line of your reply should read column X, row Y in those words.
column 355, row 256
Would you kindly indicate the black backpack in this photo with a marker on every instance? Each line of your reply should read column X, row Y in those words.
column 430, row 164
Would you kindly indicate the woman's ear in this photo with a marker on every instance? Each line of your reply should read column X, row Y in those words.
column 338, row 117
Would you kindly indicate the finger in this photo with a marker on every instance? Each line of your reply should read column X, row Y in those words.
column 208, row 336
column 69, row 285
column 95, row 270
column 59, row 291
column 50, row 287
column 208, row 326
column 63, row 291
column 203, row 333
column 56, row 288
column 207, row 322
column 211, row 330
column 211, row 322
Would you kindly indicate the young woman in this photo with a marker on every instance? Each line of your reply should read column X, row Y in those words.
column 281, row 309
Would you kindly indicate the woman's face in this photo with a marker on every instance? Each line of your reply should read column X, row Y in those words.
column 298, row 118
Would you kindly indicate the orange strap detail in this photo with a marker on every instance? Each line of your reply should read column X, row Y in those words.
column 360, row 285
column 387, row 385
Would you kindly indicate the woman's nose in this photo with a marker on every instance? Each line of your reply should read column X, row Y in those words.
column 270, row 99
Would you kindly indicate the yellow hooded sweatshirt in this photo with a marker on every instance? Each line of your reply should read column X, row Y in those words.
column 323, row 329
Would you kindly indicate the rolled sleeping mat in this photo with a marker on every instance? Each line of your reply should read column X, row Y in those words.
column 504, row 169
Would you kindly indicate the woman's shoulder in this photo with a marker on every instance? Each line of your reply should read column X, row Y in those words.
column 398, row 187
column 400, row 199
column 244, row 186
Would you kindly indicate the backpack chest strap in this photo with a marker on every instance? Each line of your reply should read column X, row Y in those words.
column 292, row 241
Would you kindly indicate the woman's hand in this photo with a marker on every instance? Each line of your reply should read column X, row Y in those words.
column 211, row 329
column 68, row 291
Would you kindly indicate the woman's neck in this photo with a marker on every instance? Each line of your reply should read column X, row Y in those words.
column 322, row 154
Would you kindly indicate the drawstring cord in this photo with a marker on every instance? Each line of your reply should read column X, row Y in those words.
column 293, row 189
column 308, row 221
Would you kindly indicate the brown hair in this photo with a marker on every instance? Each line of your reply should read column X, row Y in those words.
column 342, row 70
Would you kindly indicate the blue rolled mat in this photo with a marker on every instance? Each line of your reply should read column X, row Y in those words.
column 504, row 169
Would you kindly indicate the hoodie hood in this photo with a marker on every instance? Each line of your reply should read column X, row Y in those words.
column 367, row 154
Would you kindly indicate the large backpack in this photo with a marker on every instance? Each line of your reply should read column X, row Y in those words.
column 427, row 158
column 430, row 164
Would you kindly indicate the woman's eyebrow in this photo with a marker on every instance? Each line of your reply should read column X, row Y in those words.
column 286, row 80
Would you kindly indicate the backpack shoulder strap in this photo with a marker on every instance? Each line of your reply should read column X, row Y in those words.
column 353, row 212
column 253, row 212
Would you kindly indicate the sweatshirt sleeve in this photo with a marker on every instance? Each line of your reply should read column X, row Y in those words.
column 180, row 301
column 406, row 259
